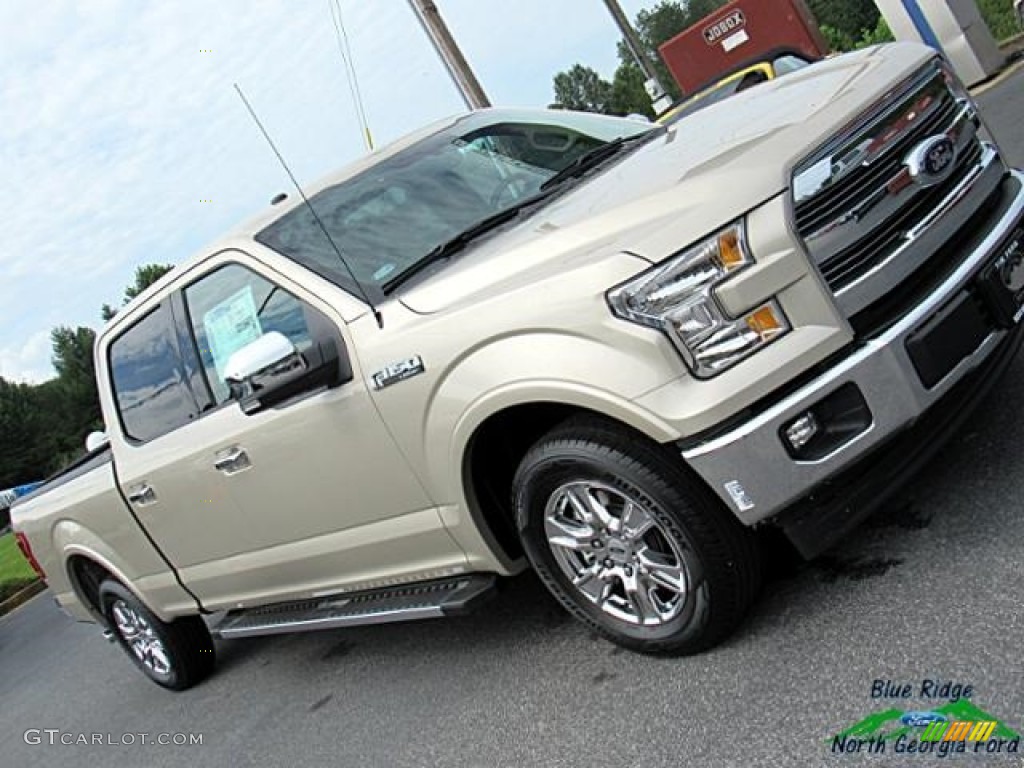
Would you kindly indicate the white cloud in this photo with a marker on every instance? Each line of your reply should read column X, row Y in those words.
column 116, row 125
column 29, row 362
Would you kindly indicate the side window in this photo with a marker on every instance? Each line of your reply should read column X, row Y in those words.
column 788, row 63
column 150, row 385
column 751, row 79
column 233, row 306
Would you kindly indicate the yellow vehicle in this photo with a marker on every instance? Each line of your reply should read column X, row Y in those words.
column 733, row 83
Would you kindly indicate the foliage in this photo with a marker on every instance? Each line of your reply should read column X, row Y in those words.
column 880, row 34
column 850, row 24
column 581, row 88
column 626, row 94
column 846, row 25
column 846, row 20
column 839, row 40
column 74, row 394
column 999, row 16
column 44, row 425
column 21, row 423
column 145, row 276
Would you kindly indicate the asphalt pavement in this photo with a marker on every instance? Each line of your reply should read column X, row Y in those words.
column 930, row 589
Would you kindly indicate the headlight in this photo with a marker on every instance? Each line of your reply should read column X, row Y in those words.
column 677, row 297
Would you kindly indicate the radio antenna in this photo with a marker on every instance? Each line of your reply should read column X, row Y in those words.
column 312, row 211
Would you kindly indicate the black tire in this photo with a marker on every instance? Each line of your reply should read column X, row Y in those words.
column 717, row 571
column 176, row 655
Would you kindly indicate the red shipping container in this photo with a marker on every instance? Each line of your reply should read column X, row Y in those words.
column 740, row 33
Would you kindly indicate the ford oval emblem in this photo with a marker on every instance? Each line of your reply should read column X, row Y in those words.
column 921, row 719
column 932, row 161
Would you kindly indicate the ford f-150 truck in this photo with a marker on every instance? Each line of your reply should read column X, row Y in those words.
column 605, row 349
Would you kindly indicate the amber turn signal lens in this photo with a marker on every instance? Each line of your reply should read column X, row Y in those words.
column 729, row 251
column 764, row 322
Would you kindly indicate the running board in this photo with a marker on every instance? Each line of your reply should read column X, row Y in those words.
column 421, row 600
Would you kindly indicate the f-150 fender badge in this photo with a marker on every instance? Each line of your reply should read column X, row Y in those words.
column 396, row 372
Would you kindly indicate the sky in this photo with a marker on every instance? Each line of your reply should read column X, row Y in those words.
column 123, row 142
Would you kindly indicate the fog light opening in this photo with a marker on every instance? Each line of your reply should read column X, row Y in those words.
column 827, row 425
column 802, row 430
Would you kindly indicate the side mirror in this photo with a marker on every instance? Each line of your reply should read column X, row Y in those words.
column 95, row 441
column 268, row 354
column 270, row 370
column 262, row 369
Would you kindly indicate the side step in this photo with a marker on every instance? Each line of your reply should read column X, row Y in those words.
column 421, row 600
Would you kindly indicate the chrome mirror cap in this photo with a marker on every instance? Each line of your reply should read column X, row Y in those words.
column 269, row 351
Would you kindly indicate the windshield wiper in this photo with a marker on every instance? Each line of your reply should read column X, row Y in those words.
column 579, row 166
column 457, row 243
column 590, row 160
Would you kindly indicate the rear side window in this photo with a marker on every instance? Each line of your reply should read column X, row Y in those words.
column 150, row 386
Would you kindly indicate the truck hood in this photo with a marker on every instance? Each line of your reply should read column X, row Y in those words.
column 701, row 173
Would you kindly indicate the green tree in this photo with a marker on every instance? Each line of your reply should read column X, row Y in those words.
column 880, row 34
column 72, row 352
column 655, row 27
column 44, row 425
column 20, row 428
column 845, row 22
column 73, row 395
column 145, row 276
column 626, row 93
column 581, row 88
column 999, row 16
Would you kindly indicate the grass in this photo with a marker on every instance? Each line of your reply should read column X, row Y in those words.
column 15, row 572
column 999, row 16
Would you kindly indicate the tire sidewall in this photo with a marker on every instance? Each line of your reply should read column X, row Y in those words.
column 112, row 591
column 556, row 463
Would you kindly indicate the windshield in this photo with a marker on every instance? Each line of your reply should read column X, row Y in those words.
column 390, row 216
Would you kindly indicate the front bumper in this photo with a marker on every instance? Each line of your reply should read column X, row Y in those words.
column 749, row 466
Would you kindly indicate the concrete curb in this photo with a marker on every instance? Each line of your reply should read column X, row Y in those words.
column 18, row 598
column 1011, row 69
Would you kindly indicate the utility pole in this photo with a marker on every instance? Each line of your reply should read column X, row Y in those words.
column 458, row 69
column 652, row 85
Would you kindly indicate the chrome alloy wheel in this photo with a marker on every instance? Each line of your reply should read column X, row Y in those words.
column 139, row 635
column 617, row 554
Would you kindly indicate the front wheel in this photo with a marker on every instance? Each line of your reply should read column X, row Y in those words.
column 629, row 543
column 176, row 655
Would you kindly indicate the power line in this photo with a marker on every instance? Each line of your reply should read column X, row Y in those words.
column 341, row 36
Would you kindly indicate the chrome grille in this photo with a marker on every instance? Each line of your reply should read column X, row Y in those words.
column 850, row 264
column 864, row 218
column 864, row 181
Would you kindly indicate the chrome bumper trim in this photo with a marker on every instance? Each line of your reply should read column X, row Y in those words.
column 752, row 458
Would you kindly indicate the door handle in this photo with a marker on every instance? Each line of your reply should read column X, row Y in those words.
column 232, row 460
column 141, row 494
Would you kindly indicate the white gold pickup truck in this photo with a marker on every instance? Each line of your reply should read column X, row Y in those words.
column 603, row 349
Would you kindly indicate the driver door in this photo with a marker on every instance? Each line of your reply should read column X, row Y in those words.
column 302, row 498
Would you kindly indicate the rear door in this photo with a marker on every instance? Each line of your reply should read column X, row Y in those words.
column 303, row 498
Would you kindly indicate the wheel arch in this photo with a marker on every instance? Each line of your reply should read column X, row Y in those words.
column 498, row 440
column 86, row 575
column 86, row 567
